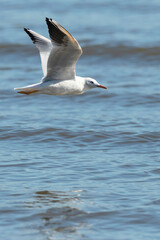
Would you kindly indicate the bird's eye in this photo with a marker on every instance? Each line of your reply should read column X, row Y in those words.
column 91, row 82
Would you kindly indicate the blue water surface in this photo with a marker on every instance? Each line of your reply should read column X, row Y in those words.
column 88, row 166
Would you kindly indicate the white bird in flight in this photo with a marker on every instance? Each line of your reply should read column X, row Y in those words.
column 58, row 58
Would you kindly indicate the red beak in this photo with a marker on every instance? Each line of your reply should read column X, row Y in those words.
column 101, row 86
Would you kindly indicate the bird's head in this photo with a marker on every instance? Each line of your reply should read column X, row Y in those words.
column 92, row 83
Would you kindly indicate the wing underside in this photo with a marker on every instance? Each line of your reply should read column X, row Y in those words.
column 44, row 46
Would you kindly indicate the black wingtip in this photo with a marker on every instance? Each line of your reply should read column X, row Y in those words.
column 48, row 19
column 33, row 38
column 26, row 30
column 56, row 34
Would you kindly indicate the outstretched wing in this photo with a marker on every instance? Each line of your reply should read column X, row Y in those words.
column 44, row 46
column 64, row 54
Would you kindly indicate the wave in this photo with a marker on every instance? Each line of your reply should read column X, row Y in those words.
column 116, row 51
column 82, row 137
column 121, row 50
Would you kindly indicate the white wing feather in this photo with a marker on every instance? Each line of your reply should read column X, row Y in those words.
column 44, row 46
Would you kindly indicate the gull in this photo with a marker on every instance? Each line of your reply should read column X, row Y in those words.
column 59, row 55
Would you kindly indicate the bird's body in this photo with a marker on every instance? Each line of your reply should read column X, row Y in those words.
column 66, row 87
column 58, row 58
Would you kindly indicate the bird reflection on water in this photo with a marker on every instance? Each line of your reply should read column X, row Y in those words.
column 57, row 216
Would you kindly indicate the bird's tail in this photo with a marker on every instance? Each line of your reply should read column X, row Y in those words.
column 28, row 89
